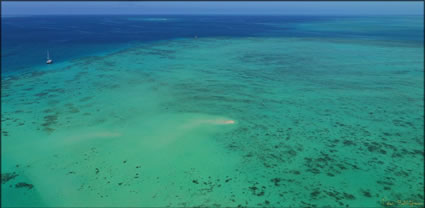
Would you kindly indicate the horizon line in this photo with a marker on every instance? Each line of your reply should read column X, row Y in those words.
column 203, row 14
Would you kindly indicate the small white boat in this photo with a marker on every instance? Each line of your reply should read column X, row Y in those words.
column 49, row 61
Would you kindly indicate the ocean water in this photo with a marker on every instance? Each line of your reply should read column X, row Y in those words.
column 216, row 111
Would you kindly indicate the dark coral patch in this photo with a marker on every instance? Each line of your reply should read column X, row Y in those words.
column 24, row 185
column 276, row 181
column 84, row 99
column 5, row 177
column 295, row 172
column 256, row 191
column 41, row 94
column 366, row 193
column 315, row 194
column 349, row 196
column 348, row 143
column 49, row 120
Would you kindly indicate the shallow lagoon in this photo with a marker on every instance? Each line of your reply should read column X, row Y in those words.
column 316, row 121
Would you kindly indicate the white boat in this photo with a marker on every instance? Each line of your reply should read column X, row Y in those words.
column 49, row 61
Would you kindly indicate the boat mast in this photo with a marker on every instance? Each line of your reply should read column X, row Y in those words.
column 48, row 55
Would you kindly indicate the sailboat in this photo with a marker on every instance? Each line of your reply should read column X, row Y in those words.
column 49, row 61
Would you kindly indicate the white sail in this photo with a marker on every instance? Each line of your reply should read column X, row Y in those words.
column 49, row 61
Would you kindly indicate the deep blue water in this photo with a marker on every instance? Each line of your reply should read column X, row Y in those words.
column 26, row 39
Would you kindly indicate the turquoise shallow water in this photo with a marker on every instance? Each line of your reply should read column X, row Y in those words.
column 219, row 121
